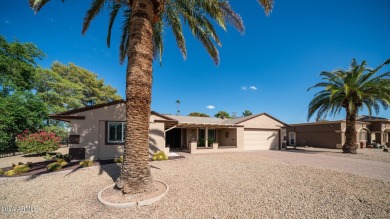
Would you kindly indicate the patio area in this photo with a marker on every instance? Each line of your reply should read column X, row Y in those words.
column 223, row 185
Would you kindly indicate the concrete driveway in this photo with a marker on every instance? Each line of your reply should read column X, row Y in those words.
column 368, row 168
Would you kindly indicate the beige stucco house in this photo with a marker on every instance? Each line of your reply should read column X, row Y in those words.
column 96, row 132
column 331, row 134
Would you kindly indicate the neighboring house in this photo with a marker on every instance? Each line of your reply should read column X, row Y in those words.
column 97, row 132
column 331, row 134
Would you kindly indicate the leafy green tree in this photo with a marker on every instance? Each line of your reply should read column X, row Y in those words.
column 93, row 90
column 247, row 113
column 144, row 21
column 59, row 94
column 198, row 114
column 222, row 115
column 17, row 65
column 69, row 87
column 19, row 111
column 351, row 90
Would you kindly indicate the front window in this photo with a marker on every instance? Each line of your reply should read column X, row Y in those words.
column 115, row 132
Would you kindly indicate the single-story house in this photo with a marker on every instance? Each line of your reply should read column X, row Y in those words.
column 96, row 132
column 331, row 134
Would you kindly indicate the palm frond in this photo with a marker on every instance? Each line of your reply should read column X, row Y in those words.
column 114, row 12
column 158, row 44
column 124, row 43
column 96, row 7
column 267, row 5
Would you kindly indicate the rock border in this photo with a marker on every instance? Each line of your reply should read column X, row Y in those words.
column 133, row 203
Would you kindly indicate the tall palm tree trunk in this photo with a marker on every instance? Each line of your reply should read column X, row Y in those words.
column 135, row 175
column 350, row 144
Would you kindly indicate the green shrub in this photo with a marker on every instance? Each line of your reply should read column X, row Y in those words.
column 119, row 160
column 54, row 166
column 58, row 130
column 160, row 155
column 62, row 156
column 86, row 163
column 37, row 143
column 10, row 173
column 47, row 157
column 21, row 168
column 1, row 171
column 62, row 162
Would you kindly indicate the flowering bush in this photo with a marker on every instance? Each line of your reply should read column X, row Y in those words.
column 39, row 142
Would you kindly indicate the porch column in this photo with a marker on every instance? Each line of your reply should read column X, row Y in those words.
column 206, row 137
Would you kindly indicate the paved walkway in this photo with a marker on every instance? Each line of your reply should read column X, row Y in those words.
column 373, row 169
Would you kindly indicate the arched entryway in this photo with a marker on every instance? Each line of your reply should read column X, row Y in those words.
column 363, row 137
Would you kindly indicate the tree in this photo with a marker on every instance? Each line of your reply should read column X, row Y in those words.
column 197, row 114
column 66, row 87
column 17, row 65
column 247, row 113
column 19, row 111
column 351, row 90
column 144, row 21
column 59, row 93
column 222, row 115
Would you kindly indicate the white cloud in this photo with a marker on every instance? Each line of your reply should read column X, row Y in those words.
column 244, row 87
column 210, row 107
column 7, row 21
column 253, row 88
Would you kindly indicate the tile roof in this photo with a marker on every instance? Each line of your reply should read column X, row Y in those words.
column 369, row 118
column 196, row 120
column 217, row 121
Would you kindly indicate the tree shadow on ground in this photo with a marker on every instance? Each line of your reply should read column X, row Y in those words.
column 308, row 150
column 113, row 169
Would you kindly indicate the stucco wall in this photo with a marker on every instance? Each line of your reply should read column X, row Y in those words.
column 262, row 122
column 240, row 138
column 327, row 135
column 92, row 132
column 227, row 137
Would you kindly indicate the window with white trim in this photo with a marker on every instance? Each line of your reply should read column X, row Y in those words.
column 116, row 132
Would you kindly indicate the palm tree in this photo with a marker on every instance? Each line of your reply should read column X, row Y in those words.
column 141, row 41
column 178, row 106
column 247, row 113
column 353, row 89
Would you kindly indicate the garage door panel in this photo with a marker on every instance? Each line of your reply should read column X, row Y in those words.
column 261, row 139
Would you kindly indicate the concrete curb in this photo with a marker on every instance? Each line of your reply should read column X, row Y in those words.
column 134, row 203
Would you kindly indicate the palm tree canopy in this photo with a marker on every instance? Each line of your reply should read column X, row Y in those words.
column 172, row 14
column 352, row 89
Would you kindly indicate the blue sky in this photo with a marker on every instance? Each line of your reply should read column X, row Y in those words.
column 279, row 56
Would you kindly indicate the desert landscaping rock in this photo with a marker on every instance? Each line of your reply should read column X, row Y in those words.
column 226, row 185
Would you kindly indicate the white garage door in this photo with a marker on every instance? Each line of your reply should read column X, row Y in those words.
column 261, row 139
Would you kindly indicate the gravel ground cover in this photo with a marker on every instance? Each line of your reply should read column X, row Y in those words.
column 7, row 161
column 365, row 153
column 228, row 185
